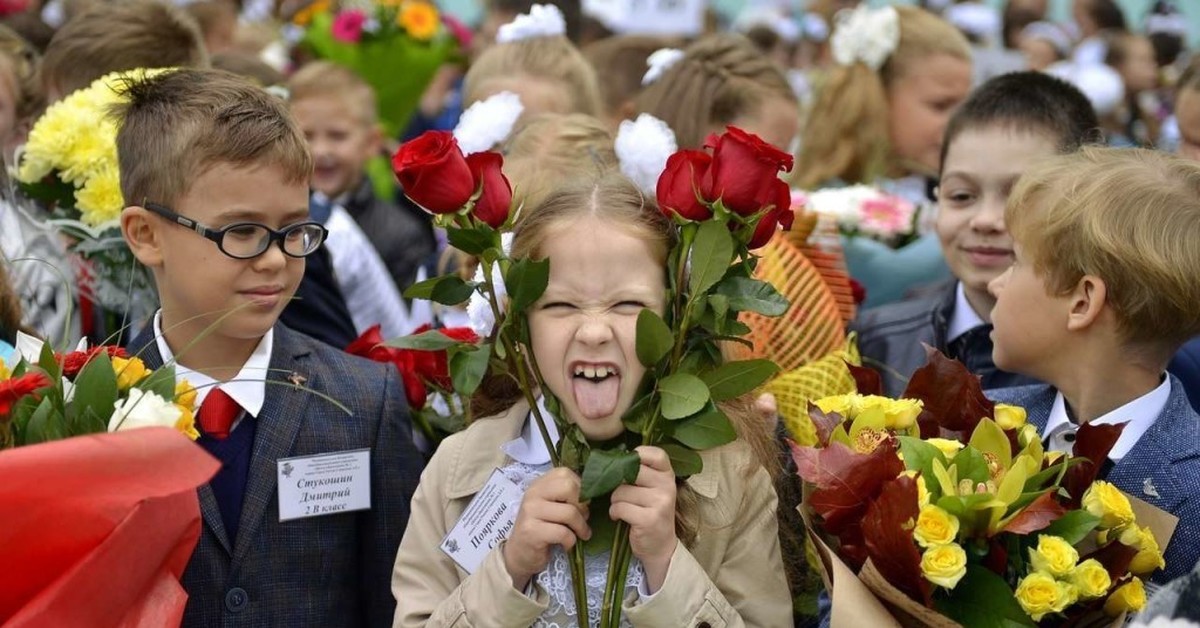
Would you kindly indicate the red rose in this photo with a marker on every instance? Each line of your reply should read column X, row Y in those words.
column 679, row 184
column 433, row 366
column 13, row 390
column 73, row 362
column 743, row 166
column 493, row 204
column 434, row 173
column 370, row 345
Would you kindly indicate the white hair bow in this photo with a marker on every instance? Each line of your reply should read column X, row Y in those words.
column 865, row 35
column 543, row 20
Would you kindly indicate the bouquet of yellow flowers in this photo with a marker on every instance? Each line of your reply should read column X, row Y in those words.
column 69, row 166
column 944, row 509
column 395, row 45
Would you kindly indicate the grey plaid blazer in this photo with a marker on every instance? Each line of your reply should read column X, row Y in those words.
column 1163, row 468
column 332, row 570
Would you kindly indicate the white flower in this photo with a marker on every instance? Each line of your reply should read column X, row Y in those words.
column 143, row 409
column 659, row 62
column 479, row 311
column 642, row 147
column 865, row 35
column 371, row 25
column 543, row 20
column 488, row 122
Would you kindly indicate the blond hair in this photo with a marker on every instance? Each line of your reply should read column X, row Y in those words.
column 846, row 136
column 24, row 63
column 547, row 149
column 121, row 35
column 719, row 78
column 177, row 125
column 552, row 59
column 325, row 79
column 1128, row 216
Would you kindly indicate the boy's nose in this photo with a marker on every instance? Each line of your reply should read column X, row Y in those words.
column 990, row 217
column 271, row 259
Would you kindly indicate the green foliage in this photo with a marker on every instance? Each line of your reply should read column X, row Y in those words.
column 467, row 368
column 606, row 469
column 710, row 256
column 683, row 395
column 734, row 379
column 654, row 338
column 526, row 281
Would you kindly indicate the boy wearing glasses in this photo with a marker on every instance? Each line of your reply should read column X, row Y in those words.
column 302, row 522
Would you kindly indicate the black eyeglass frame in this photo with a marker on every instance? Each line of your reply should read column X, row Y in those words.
column 217, row 236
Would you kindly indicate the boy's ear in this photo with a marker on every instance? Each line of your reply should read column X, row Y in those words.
column 1088, row 301
column 374, row 141
column 142, row 235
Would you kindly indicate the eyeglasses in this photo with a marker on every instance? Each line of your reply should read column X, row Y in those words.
column 247, row 240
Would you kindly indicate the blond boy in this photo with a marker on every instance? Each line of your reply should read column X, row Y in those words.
column 1103, row 291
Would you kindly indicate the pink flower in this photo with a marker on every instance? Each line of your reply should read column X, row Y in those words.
column 886, row 216
column 460, row 31
column 348, row 26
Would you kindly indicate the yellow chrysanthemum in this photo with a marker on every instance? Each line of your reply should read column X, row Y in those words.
column 100, row 200
column 419, row 18
column 185, row 394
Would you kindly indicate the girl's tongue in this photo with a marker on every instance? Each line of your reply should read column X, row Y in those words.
column 596, row 398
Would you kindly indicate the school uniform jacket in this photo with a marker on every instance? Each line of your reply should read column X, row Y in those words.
column 732, row 575
column 330, row 570
column 1163, row 468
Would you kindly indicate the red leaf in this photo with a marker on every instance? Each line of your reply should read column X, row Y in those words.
column 1036, row 516
column 823, row 423
column 1116, row 558
column 952, row 395
column 866, row 379
column 887, row 528
column 1092, row 442
column 997, row 557
column 846, row 481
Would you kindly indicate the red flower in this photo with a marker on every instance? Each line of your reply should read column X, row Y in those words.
column 744, row 168
column 496, row 197
column 433, row 366
column 416, row 367
column 780, row 216
column 13, row 390
column 858, row 291
column 680, row 182
column 74, row 361
column 434, row 173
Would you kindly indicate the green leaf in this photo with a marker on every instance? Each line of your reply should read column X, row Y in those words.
column 49, row 364
column 654, row 338
column 432, row 340
column 161, row 382
column 734, row 379
column 1046, row 475
column 683, row 395
column 471, row 241
column 573, row 449
column 96, row 390
column 467, row 369
column 638, row 414
column 711, row 254
column 44, row 425
column 752, row 295
column 606, row 469
column 720, row 311
column 603, row 527
column 983, row 600
column 971, row 464
column 1073, row 527
column 526, row 281
column 711, row 429
column 919, row 456
column 684, row 461
column 447, row 290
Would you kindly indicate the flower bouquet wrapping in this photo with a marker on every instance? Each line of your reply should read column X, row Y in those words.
column 395, row 45
column 726, row 201
column 69, row 167
column 130, row 496
column 942, row 509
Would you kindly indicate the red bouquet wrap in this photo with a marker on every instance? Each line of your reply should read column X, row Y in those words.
column 98, row 529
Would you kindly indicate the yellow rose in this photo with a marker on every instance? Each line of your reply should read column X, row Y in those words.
column 1054, row 556
column 1107, row 502
column 186, row 423
column 935, row 527
column 949, row 448
column 1010, row 417
column 1130, row 597
column 1149, row 558
column 944, row 565
column 902, row 413
column 1090, row 579
column 1039, row 594
column 129, row 371
column 844, row 405
column 185, row 395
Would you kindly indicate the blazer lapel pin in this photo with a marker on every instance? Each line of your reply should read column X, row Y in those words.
column 1149, row 489
column 297, row 379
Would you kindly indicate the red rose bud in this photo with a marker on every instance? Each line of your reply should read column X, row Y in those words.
column 743, row 166
column 496, row 198
column 434, row 173
column 766, row 228
column 17, row 388
column 679, row 183
column 414, row 387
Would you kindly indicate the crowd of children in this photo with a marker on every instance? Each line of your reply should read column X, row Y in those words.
column 1055, row 252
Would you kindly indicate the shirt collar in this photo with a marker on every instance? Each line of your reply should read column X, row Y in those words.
column 248, row 388
column 964, row 318
column 529, row 448
column 1138, row 415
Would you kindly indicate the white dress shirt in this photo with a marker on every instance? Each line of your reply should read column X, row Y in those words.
column 1138, row 415
column 248, row 388
column 964, row 319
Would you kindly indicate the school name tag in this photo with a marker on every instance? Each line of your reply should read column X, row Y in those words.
column 325, row 484
column 485, row 523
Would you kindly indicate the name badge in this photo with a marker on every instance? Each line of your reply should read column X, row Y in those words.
column 325, row 484
column 487, row 520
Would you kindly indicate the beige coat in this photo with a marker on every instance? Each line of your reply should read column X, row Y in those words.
column 731, row 576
